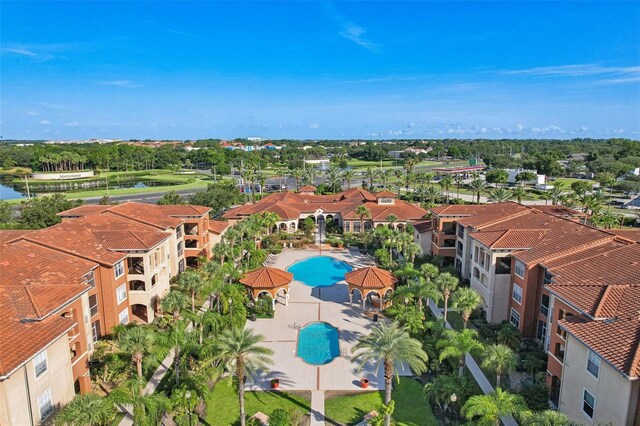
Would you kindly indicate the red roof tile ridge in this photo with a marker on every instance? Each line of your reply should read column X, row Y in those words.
column 504, row 218
column 510, row 231
column 133, row 234
column 136, row 219
column 572, row 250
column 33, row 302
column 72, row 253
column 597, row 313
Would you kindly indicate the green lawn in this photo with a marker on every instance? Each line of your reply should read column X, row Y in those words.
column 223, row 407
column 362, row 164
column 411, row 409
column 566, row 182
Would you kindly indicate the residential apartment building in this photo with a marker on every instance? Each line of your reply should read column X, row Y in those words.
column 63, row 287
column 573, row 288
column 294, row 207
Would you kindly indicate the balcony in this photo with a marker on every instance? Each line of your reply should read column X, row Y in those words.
column 559, row 352
column 137, row 285
column 449, row 228
column 191, row 229
column 135, row 265
column 191, row 244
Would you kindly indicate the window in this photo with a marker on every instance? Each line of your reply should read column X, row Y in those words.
column 503, row 265
column 90, row 279
column 121, row 293
column 179, row 232
column 119, row 269
column 181, row 266
column 356, row 226
column 461, row 231
column 515, row 318
column 476, row 273
column 89, row 342
column 541, row 335
column 347, row 226
column 593, row 364
column 124, row 316
column 40, row 363
column 588, row 404
column 459, row 249
column 544, row 305
column 180, row 248
column 547, row 277
column 96, row 334
column 519, row 271
column 516, row 294
column 45, row 404
column 93, row 305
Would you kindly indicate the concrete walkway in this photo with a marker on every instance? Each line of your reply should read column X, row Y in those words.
column 317, row 408
column 474, row 368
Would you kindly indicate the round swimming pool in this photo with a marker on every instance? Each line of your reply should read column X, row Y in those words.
column 319, row 271
column 318, row 343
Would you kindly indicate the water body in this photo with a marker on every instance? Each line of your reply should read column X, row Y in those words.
column 8, row 193
column 319, row 271
column 318, row 343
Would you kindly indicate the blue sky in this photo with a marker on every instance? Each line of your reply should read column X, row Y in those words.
column 319, row 69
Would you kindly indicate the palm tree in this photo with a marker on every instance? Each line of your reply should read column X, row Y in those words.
column 334, row 178
column 445, row 184
column 548, row 418
column 385, row 176
column 347, row 177
column 432, row 194
column 297, row 175
column 501, row 359
column 87, row 410
column 500, row 195
column 490, row 407
column 174, row 302
column 362, row 212
column 466, row 300
column 269, row 220
column 555, row 193
column 509, row 335
column 136, row 341
column 606, row 179
column 239, row 348
column 147, row 409
column 519, row 193
column 390, row 345
column 192, row 282
column 456, row 344
column 446, row 283
column 458, row 178
column 478, row 186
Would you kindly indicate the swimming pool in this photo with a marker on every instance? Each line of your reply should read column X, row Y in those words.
column 319, row 271
column 318, row 343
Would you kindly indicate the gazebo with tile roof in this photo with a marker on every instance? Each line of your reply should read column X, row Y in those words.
column 268, row 280
column 370, row 280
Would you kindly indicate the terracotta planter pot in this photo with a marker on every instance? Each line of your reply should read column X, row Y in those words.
column 275, row 383
column 364, row 383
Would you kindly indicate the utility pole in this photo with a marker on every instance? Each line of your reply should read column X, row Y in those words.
column 26, row 180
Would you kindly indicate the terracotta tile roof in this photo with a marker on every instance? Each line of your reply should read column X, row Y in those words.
column 146, row 213
column 631, row 234
column 35, row 282
column 183, row 210
column 307, row 188
column 12, row 234
column 370, row 277
column 97, row 237
column 474, row 209
column 559, row 210
column 84, row 210
column 614, row 340
column 386, row 194
column 510, row 239
column 218, row 226
column 266, row 278
column 423, row 226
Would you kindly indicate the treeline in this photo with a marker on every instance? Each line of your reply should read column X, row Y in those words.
column 616, row 156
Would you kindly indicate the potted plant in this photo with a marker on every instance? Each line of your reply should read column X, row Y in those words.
column 275, row 383
column 364, row 383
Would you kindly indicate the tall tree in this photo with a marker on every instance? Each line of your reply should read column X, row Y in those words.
column 478, row 186
column 501, row 359
column 445, row 183
column 174, row 302
column 548, row 418
column 191, row 282
column 446, row 283
column 485, row 410
column 147, row 409
column 362, row 212
column 499, row 195
column 136, row 341
column 456, row 344
column 239, row 348
column 519, row 193
column 390, row 345
column 87, row 410
column 466, row 300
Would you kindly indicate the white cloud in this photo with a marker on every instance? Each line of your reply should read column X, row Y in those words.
column 45, row 122
column 21, row 51
column 411, row 125
column 72, row 124
column 349, row 30
column 575, row 70
column 32, row 113
column 119, row 83
column 520, row 127
column 314, row 126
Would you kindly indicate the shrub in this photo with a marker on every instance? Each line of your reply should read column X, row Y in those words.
column 536, row 396
column 279, row 417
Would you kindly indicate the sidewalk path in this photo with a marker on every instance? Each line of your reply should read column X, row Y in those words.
column 317, row 408
column 474, row 369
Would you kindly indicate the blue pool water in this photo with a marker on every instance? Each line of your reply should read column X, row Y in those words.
column 318, row 343
column 319, row 271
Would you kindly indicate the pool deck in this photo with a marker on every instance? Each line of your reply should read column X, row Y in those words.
column 307, row 304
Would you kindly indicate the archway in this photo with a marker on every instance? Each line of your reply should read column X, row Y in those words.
column 355, row 295
column 140, row 313
column 374, row 298
column 283, row 294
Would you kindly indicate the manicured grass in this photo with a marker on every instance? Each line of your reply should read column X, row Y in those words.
column 566, row 182
column 199, row 183
column 362, row 164
column 411, row 409
column 223, row 407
